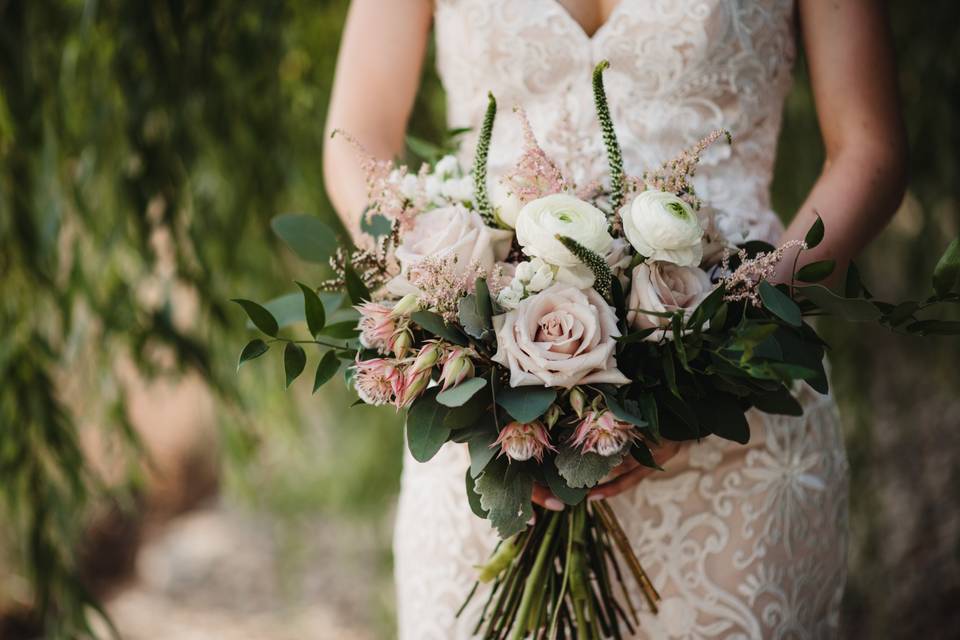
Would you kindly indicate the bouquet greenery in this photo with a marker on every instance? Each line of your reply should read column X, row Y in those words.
column 556, row 330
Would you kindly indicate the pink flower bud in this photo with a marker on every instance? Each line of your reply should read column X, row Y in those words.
column 406, row 305
column 457, row 368
column 428, row 356
column 578, row 401
column 520, row 441
column 414, row 384
column 400, row 342
column 603, row 434
column 552, row 415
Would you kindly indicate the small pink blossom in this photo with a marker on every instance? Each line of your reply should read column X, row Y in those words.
column 413, row 385
column 428, row 356
column 377, row 381
column 376, row 325
column 521, row 441
column 400, row 342
column 603, row 434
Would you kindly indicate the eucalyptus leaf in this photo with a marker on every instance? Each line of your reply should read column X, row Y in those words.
column 375, row 225
column 254, row 349
column 473, row 322
column 559, row 487
column 779, row 402
column 260, row 317
column 505, row 491
column 313, row 309
column 294, row 360
column 341, row 330
column 642, row 454
column 356, row 289
column 853, row 309
column 307, row 235
column 815, row 233
column 458, row 395
column 473, row 498
column 935, row 327
column 627, row 411
column 779, row 304
column 326, row 369
column 584, row 470
column 426, row 431
column 526, row 404
column 481, row 448
column 433, row 323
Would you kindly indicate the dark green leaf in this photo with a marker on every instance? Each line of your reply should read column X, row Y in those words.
column 815, row 234
column 254, row 349
column 853, row 309
column 559, row 487
column 627, row 411
column 708, row 308
column 328, row 367
column 505, row 491
column 356, row 289
column 638, row 336
column 475, row 324
column 426, row 431
column 313, row 309
column 526, row 404
column 642, row 454
column 584, row 469
column 375, row 225
column 853, row 287
column 307, row 235
column 456, row 396
column 723, row 415
column 780, row 304
column 901, row 313
column 946, row 275
column 433, row 323
column 480, row 446
column 294, row 360
column 935, row 327
column 473, row 498
column 816, row 271
column 260, row 317
column 648, row 408
column 288, row 308
column 780, row 402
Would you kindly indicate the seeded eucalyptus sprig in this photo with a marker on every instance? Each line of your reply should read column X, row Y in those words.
column 601, row 270
column 614, row 156
column 482, row 200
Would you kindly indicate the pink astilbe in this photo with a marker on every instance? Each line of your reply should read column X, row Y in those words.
column 601, row 433
column 442, row 283
column 535, row 174
column 384, row 185
column 521, row 441
column 743, row 283
column 377, row 381
column 674, row 175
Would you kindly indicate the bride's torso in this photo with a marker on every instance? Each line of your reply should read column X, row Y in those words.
column 679, row 69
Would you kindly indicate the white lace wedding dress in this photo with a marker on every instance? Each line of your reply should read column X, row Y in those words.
column 741, row 541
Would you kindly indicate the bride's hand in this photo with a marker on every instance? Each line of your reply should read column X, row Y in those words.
column 626, row 476
column 630, row 472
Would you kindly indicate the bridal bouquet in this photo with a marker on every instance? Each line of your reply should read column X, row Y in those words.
column 556, row 330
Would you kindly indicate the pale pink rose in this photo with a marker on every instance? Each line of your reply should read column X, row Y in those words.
column 376, row 325
column 377, row 381
column 521, row 441
column 664, row 287
column 602, row 434
column 560, row 337
column 446, row 232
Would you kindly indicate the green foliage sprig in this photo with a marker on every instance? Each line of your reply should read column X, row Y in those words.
column 614, row 155
column 603, row 277
column 480, row 163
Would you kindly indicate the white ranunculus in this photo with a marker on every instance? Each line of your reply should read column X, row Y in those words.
column 447, row 232
column 560, row 337
column 661, row 226
column 542, row 220
column 505, row 202
column 664, row 287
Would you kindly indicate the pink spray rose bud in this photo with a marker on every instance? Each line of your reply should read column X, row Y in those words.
column 457, row 368
column 377, row 380
column 521, row 441
column 429, row 355
column 578, row 401
column 408, row 304
column 414, row 384
column 400, row 342
column 603, row 434
column 376, row 326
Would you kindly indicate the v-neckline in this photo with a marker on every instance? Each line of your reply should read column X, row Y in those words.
column 590, row 37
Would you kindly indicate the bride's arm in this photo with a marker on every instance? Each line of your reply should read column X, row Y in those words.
column 378, row 72
column 853, row 76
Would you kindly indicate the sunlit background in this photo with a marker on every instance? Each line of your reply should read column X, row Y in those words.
column 144, row 147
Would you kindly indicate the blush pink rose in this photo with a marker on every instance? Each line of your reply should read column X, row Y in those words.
column 664, row 287
column 560, row 337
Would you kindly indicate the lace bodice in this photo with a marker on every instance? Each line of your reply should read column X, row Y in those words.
column 679, row 69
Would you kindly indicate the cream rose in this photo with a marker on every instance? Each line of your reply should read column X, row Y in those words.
column 447, row 232
column 664, row 287
column 542, row 220
column 661, row 226
column 560, row 337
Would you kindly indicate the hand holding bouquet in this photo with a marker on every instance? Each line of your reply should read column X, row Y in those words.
column 556, row 330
